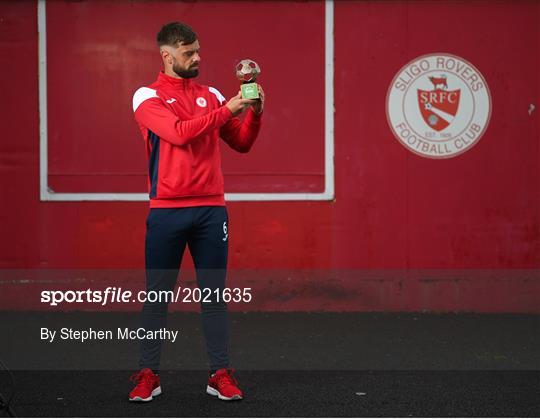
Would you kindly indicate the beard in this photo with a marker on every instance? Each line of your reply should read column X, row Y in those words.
column 185, row 74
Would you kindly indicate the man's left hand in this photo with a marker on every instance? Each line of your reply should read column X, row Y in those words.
column 259, row 104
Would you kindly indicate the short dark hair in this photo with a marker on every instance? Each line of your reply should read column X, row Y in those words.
column 175, row 33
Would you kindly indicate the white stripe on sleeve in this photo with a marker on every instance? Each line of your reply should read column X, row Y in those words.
column 219, row 96
column 144, row 93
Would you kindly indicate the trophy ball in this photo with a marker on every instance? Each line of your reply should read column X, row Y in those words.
column 247, row 71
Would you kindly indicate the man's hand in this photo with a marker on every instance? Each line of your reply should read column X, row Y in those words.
column 258, row 105
column 237, row 105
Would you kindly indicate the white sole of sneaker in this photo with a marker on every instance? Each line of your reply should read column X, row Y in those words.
column 213, row 392
column 155, row 392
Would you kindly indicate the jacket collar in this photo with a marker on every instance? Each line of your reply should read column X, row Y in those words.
column 177, row 83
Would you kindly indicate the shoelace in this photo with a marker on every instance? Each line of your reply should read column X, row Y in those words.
column 227, row 379
column 141, row 379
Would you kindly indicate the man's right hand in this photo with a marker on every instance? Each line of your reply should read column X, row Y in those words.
column 237, row 105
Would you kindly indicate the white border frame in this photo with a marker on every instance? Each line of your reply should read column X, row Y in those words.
column 47, row 194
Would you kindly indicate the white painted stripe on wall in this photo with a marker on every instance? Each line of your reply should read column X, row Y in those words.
column 42, row 86
column 46, row 194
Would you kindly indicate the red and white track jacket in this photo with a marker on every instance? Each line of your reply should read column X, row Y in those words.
column 181, row 123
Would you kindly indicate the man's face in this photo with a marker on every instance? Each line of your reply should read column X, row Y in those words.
column 185, row 59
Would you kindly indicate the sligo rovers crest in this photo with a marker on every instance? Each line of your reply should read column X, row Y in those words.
column 438, row 106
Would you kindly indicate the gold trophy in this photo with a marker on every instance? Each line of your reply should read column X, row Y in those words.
column 247, row 72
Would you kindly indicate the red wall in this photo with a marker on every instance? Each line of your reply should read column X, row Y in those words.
column 403, row 233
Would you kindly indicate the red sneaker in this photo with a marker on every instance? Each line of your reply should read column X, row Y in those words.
column 224, row 385
column 147, row 386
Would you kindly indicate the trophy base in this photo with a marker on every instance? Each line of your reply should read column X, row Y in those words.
column 250, row 91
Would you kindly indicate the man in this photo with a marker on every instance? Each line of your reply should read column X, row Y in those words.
column 181, row 123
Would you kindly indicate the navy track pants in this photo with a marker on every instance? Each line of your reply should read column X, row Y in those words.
column 205, row 231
